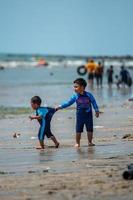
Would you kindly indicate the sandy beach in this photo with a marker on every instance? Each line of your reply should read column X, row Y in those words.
column 62, row 61
column 67, row 173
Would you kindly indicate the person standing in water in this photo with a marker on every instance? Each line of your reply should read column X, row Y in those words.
column 124, row 74
column 110, row 72
column 91, row 67
column 99, row 74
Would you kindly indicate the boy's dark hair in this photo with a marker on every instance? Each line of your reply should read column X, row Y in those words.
column 36, row 99
column 81, row 82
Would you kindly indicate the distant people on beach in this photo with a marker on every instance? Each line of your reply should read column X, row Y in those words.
column 91, row 67
column 95, row 71
column 110, row 73
column 99, row 74
column 124, row 78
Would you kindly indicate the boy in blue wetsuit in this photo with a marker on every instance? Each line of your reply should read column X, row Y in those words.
column 84, row 101
column 44, row 116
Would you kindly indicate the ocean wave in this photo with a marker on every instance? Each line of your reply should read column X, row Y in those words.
column 28, row 64
column 27, row 61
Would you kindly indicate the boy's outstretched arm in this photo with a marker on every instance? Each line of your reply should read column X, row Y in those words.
column 67, row 103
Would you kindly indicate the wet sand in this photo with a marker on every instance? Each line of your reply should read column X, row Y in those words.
column 67, row 173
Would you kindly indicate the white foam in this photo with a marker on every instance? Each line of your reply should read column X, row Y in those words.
column 98, row 127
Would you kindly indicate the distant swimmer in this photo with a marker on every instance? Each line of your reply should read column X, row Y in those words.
column 91, row 67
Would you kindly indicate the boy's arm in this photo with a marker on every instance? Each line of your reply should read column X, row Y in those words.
column 40, row 115
column 67, row 103
column 35, row 117
column 95, row 106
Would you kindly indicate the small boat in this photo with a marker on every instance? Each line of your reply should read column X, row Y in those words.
column 42, row 62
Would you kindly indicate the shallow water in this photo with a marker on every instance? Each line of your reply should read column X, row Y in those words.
column 22, row 160
column 18, row 85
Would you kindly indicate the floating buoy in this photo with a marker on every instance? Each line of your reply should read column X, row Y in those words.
column 81, row 70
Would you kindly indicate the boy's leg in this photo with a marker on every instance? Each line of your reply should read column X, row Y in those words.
column 90, row 137
column 53, row 138
column 79, row 129
column 41, row 142
column 41, row 135
column 49, row 134
column 78, row 137
column 89, row 128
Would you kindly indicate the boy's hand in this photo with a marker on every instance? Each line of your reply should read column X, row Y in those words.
column 57, row 108
column 31, row 117
column 97, row 114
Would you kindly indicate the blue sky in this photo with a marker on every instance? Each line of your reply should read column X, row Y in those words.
column 71, row 27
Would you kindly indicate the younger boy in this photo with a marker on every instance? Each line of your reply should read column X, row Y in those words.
column 84, row 101
column 44, row 116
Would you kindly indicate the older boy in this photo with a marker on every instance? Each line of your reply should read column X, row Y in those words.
column 84, row 116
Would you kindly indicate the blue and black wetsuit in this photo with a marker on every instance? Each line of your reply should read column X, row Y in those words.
column 46, row 114
column 84, row 110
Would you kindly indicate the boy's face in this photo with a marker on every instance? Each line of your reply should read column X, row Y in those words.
column 34, row 106
column 78, row 88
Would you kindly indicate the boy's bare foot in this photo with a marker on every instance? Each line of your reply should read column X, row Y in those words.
column 57, row 145
column 77, row 145
column 91, row 145
column 40, row 148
